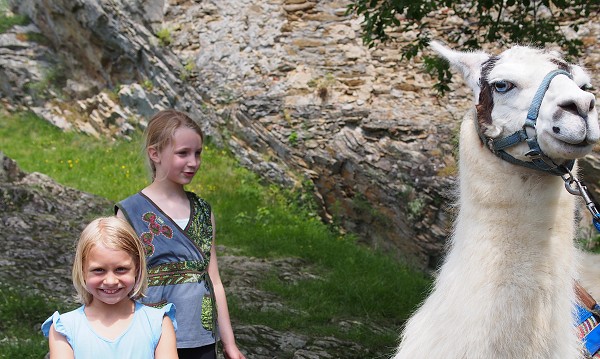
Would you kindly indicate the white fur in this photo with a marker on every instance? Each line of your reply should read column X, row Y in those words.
column 505, row 290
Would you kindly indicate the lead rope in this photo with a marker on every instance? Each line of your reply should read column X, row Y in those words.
column 578, row 188
column 588, row 311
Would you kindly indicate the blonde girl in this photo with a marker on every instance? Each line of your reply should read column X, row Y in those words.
column 109, row 275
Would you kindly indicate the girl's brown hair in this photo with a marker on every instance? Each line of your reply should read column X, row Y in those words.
column 114, row 233
column 161, row 128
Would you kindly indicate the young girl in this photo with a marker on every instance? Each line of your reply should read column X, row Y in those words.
column 177, row 229
column 109, row 274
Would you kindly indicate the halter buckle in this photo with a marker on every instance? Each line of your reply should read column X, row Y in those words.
column 578, row 188
column 537, row 156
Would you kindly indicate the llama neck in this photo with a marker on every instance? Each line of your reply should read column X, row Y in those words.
column 513, row 242
column 513, row 222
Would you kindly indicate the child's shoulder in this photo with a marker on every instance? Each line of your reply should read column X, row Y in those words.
column 77, row 312
column 62, row 321
column 157, row 313
column 197, row 199
column 133, row 200
column 150, row 309
column 133, row 196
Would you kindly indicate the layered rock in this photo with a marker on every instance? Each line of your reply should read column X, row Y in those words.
column 41, row 223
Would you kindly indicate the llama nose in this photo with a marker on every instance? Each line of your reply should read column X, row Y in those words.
column 581, row 106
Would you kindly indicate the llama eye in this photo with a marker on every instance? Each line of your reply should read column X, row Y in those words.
column 503, row 86
column 587, row 87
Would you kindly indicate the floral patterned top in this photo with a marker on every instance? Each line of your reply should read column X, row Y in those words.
column 177, row 261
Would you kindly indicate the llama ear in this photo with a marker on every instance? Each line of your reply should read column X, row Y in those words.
column 468, row 63
column 580, row 76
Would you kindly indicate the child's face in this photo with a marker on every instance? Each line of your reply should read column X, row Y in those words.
column 109, row 274
column 180, row 161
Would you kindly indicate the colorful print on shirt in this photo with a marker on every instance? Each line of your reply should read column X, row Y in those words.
column 156, row 227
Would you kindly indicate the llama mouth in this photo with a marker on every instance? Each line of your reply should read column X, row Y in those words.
column 582, row 144
column 570, row 136
column 574, row 130
column 566, row 151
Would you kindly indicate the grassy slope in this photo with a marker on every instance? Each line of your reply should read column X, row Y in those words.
column 263, row 221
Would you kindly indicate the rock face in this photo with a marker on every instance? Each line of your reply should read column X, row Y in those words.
column 41, row 222
column 286, row 84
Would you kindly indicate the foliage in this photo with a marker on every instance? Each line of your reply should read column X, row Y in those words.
column 293, row 138
column 322, row 85
column 148, row 85
column 188, row 70
column 415, row 209
column 54, row 78
column 36, row 37
column 7, row 21
column 164, row 37
column 535, row 22
column 591, row 244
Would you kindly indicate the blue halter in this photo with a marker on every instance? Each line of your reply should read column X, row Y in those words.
column 539, row 161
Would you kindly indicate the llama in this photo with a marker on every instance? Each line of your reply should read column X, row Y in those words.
column 505, row 289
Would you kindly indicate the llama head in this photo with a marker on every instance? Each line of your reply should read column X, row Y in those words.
column 566, row 126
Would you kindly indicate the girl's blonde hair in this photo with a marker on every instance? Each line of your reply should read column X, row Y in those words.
column 160, row 130
column 114, row 233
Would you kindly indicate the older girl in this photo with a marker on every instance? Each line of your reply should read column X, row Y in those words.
column 177, row 229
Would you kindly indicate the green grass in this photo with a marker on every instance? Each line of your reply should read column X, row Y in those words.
column 355, row 283
column 107, row 168
column 7, row 20
column 21, row 315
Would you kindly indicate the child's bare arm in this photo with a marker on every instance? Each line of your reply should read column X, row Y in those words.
column 59, row 346
column 167, row 346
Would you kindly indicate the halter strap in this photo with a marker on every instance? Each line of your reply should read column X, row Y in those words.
column 539, row 161
column 534, row 109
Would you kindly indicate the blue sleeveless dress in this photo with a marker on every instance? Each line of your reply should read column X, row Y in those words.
column 177, row 261
column 138, row 341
